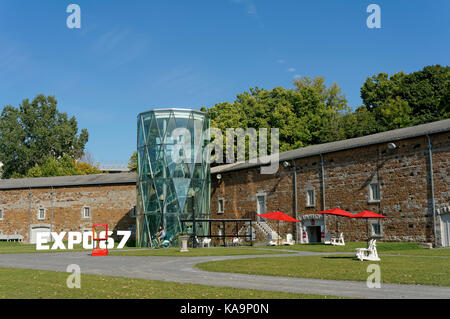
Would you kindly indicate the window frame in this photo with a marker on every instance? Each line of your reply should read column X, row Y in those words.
column 219, row 200
column 372, row 198
column 372, row 230
column 83, row 211
column 308, row 197
column 132, row 212
column 41, row 209
column 258, row 210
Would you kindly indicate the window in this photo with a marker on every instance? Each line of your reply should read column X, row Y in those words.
column 310, row 198
column 374, row 192
column 221, row 207
column 260, row 205
column 376, row 229
column 133, row 212
column 41, row 213
column 1, row 214
column 86, row 212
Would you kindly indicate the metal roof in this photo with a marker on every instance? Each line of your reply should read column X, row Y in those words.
column 131, row 178
column 62, row 181
column 314, row 150
column 171, row 109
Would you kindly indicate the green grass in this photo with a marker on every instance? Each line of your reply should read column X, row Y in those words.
column 395, row 269
column 196, row 252
column 20, row 248
column 33, row 284
column 394, row 248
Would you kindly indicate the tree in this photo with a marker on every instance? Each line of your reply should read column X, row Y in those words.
column 34, row 132
column 64, row 166
column 310, row 113
column 420, row 97
column 133, row 162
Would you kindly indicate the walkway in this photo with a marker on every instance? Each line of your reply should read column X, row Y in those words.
column 181, row 269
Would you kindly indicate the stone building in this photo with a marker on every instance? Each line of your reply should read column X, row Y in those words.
column 66, row 203
column 403, row 174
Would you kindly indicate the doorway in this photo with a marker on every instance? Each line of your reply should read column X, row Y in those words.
column 313, row 234
column 445, row 230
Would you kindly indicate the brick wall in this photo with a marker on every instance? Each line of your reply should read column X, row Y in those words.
column 108, row 204
column 402, row 174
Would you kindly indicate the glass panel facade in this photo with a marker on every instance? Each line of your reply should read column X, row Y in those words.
column 174, row 174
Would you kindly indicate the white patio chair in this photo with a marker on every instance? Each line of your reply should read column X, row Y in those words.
column 289, row 240
column 328, row 239
column 206, row 242
column 338, row 241
column 235, row 241
column 272, row 239
column 370, row 253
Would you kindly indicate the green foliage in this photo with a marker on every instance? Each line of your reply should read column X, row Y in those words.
column 86, row 169
column 34, row 132
column 408, row 99
column 305, row 115
column 64, row 166
column 313, row 113
column 133, row 162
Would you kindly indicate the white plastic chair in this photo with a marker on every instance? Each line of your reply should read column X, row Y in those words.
column 272, row 239
column 328, row 239
column 338, row 241
column 370, row 253
column 289, row 240
column 206, row 242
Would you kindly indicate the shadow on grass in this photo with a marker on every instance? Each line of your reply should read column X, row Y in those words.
column 340, row 257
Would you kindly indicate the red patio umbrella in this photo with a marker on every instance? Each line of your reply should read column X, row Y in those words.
column 279, row 216
column 336, row 212
column 368, row 214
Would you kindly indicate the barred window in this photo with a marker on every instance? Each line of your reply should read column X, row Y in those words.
column 41, row 213
column 374, row 192
column 310, row 198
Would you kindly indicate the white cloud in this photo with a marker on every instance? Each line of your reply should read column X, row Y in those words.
column 250, row 9
column 291, row 70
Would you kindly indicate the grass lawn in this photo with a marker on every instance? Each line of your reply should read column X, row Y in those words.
column 386, row 248
column 33, row 284
column 395, row 269
column 20, row 248
column 195, row 252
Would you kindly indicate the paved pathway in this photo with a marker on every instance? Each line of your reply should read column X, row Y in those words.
column 181, row 269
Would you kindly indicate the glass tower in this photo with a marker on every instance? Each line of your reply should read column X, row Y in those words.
column 174, row 173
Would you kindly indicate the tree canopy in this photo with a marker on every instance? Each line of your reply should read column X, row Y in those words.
column 312, row 113
column 64, row 166
column 305, row 115
column 35, row 132
column 408, row 99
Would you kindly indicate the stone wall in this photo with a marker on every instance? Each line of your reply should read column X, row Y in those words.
column 108, row 204
column 403, row 176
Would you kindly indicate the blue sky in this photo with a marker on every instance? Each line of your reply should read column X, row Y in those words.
column 132, row 56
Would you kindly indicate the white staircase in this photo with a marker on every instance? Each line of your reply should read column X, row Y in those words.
column 263, row 227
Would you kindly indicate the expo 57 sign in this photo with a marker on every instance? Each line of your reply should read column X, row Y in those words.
column 85, row 238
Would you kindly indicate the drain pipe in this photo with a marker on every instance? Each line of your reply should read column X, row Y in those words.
column 51, row 221
column 322, row 180
column 29, row 215
column 297, row 232
column 433, row 208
